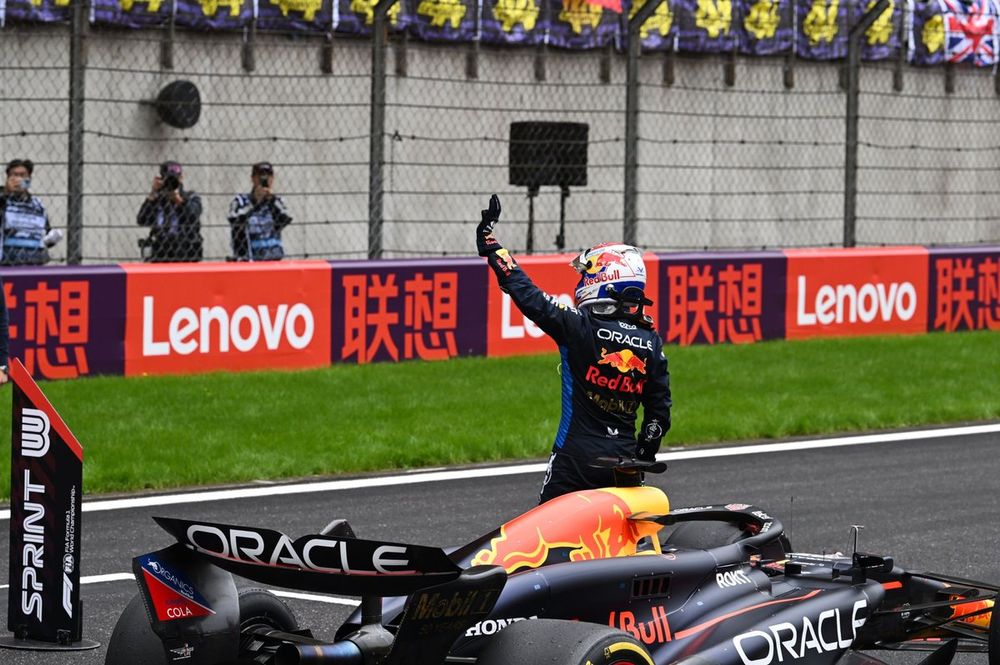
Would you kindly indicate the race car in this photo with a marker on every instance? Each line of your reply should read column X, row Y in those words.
column 599, row 577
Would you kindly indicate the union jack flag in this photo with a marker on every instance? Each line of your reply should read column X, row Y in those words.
column 971, row 31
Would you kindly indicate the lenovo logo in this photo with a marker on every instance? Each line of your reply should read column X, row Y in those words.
column 216, row 329
column 847, row 303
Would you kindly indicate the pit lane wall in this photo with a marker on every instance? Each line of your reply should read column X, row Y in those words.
column 138, row 319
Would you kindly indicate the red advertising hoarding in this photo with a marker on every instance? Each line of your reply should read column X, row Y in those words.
column 511, row 333
column 226, row 316
column 848, row 292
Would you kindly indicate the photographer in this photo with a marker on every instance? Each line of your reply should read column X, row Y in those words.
column 256, row 219
column 27, row 234
column 173, row 216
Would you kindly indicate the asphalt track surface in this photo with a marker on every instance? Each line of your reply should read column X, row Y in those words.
column 933, row 504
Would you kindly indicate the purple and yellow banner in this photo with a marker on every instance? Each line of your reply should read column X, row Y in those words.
column 132, row 13
column 822, row 29
column 39, row 11
column 442, row 20
column 296, row 15
column 659, row 31
column 355, row 17
column 707, row 26
column 580, row 25
column 938, row 31
column 214, row 14
column 513, row 22
column 767, row 26
column 927, row 35
column 882, row 39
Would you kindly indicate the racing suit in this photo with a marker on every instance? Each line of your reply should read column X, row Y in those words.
column 610, row 366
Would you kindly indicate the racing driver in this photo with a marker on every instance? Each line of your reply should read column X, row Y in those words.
column 612, row 360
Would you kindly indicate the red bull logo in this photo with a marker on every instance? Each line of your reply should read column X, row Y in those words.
column 603, row 260
column 974, row 612
column 505, row 261
column 623, row 361
column 592, row 524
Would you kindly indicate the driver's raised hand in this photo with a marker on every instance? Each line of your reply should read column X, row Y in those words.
column 486, row 242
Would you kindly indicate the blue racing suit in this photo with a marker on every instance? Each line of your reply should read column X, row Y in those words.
column 610, row 367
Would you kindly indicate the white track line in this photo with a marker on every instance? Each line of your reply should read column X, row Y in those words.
column 96, row 579
column 516, row 469
column 316, row 599
column 120, row 577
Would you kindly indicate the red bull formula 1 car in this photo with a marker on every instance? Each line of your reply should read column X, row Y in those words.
column 590, row 578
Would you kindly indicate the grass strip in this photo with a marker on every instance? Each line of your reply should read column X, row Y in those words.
column 164, row 432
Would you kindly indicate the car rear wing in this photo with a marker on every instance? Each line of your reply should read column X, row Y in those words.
column 337, row 564
column 193, row 607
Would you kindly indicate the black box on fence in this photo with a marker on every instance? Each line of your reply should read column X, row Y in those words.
column 548, row 153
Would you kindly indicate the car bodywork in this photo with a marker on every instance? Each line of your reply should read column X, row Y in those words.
column 593, row 556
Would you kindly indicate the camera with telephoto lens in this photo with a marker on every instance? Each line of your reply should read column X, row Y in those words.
column 171, row 182
column 265, row 181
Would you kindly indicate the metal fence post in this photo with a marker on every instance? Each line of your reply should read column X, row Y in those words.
column 851, row 120
column 630, row 231
column 376, row 159
column 77, row 79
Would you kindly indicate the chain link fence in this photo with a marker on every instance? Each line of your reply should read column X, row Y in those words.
column 732, row 151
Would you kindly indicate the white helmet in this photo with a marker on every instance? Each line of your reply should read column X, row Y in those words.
column 604, row 265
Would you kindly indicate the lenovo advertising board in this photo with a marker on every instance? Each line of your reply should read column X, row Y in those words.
column 511, row 333
column 227, row 316
column 848, row 292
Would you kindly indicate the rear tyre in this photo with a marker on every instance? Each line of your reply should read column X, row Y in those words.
column 556, row 642
column 133, row 640
column 261, row 609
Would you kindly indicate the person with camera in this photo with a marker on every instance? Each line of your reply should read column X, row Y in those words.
column 256, row 219
column 173, row 215
column 27, row 234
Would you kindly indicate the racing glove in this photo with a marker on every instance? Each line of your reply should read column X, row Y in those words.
column 649, row 441
column 498, row 258
column 486, row 242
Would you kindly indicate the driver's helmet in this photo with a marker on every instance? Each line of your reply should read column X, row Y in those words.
column 608, row 264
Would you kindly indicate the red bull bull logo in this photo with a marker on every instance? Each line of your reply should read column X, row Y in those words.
column 974, row 612
column 623, row 361
column 592, row 524
column 505, row 261
column 603, row 260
